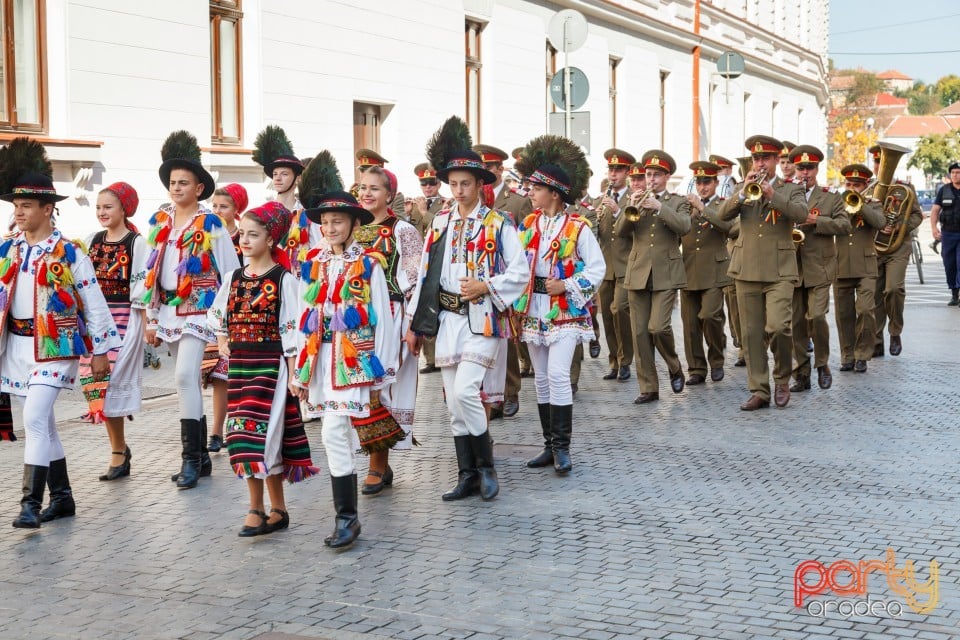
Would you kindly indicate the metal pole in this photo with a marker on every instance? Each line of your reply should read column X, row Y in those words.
column 567, row 81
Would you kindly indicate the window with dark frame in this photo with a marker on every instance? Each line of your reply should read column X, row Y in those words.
column 226, row 82
column 22, row 66
column 472, row 30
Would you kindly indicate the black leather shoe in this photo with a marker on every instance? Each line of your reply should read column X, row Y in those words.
column 624, row 374
column 824, row 377
column 676, row 381
column 611, row 375
column 215, row 444
column 716, row 375
column 248, row 532
column 526, row 373
column 802, row 384
column 645, row 397
column 119, row 472
column 695, row 378
column 468, row 479
column 740, row 363
column 895, row 345
column 34, row 483
column 386, row 480
column 878, row 351
column 282, row 523
column 482, row 447
column 594, row 348
column 430, row 368
column 496, row 411
column 574, row 388
column 510, row 408
column 346, row 526
column 61, row 495
column 860, row 366
column 846, row 366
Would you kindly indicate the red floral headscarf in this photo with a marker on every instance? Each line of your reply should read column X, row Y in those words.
column 129, row 201
column 239, row 196
column 276, row 219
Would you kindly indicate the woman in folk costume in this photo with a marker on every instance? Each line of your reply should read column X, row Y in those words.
column 400, row 245
column 350, row 349
column 255, row 318
column 191, row 254
column 566, row 267
column 471, row 271
column 119, row 256
column 274, row 152
column 228, row 203
column 52, row 312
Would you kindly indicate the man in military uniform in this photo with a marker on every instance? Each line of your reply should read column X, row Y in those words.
column 654, row 272
column 817, row 265
column 369, row 158
column 787, row 169
column 505, row 199
column 891, row 292
column 725, row 177
column 614, row 307
column 706, row 261
column 764, row 265
column 424, row 208
column 856, row 275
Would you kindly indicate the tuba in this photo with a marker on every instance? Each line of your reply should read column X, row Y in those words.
column 897, row 199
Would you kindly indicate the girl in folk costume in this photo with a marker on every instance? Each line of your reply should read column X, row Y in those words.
column 350, row 348
column 255, row 319
column 566, row 267
column 400, row 245
column 471, row 271
column 119, row 256
column 228, row 203
column 52, row 312
column 191, row 254
column 274, row 152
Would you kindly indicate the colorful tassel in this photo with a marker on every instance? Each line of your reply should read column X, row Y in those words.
column 351, row 318
column 79, row 348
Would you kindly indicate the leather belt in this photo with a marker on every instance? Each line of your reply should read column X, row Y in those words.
column 20, row 327
column 539, row 284
column 452, row 302
column 166, row 295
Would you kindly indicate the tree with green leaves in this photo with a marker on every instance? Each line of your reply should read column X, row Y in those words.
column 948, row 87
column 935, row 152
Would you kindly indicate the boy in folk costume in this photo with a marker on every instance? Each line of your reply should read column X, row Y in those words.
column 191, row 254
column 274, row 152
column 52, row 312
column 255, row 319
column 350, row 351
column 471, row 271
column 400, row 245
column 566, row 267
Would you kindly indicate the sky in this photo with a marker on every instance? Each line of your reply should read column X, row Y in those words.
column 866, row 27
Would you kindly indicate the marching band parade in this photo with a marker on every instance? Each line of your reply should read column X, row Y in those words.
column 320, row 303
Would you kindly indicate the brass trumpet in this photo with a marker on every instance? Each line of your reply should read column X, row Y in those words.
column 798, row 236
column 852, row 201
column 752, row 190
column 632, row 211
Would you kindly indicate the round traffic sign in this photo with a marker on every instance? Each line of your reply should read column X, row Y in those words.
column 579, row 89
column 567, row 30
column 730, row 65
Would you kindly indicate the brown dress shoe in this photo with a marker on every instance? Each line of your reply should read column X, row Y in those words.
column 878, row 351
column 754, row 402
column 824, row 377
column 846, row 366
column 781, row 394
column 644, row 398
column 740, row 363
column 716, row 375
column 802, row 383
column 695, row 378
column 860, row 366
column 895, row 345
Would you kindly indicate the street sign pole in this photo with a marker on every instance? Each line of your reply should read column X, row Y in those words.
column 567, row 84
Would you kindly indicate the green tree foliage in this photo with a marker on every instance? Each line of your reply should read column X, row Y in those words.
column 948, row 87
column 865, row 87
column 935, row 152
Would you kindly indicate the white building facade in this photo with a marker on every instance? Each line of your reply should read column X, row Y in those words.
column 102, row 82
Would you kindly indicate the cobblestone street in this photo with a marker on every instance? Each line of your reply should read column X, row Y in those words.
column 684, row 519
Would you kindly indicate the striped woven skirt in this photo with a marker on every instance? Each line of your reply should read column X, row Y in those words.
column 120, row 394
column 265, row 434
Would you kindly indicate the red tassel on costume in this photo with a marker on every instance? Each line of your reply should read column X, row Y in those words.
column 562, row 301
column 51, row 325
column 205, row 264
column 322, row 297
column 364, row 317
column 163, row 235
column 65, row 298
column 568, row 269
column 42, row 273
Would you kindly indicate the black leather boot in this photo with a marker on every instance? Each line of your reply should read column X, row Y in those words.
column 347, row 525
column 545, row 458
column 206, row 464
column 190, row 437
column 34, row 480
column 561, row 421
column 483, row 456
column 467, row 479
column 61, row 496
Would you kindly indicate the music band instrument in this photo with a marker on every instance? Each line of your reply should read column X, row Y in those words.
column 897, row 199
column 602, row 211
column 632, row 211
column 852, row 202
column 752, row 191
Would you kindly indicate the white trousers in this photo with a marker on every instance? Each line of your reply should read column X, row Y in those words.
column 551, row 367
column 188, row 352
column 43, row 442
column 337, row 436
column 462, row 385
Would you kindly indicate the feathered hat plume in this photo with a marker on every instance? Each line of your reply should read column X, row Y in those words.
column 544, row 151
column 273, row 149
column 320, row 177
column 24, row 166
column 453, row 136
column 180, row 145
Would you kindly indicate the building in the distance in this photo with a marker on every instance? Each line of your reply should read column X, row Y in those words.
column 102, row 82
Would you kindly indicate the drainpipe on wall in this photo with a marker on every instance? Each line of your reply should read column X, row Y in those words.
column 696, row 84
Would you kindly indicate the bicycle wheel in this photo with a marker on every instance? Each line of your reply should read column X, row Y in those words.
column 918, row 259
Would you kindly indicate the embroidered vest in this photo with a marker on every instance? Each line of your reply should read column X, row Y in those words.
column 564, row 261
column 112, row 262
column 297, row 243
column 352, row 326
column 59, row 329
column 381, row 239
column 197, row 277
column 253, row 311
